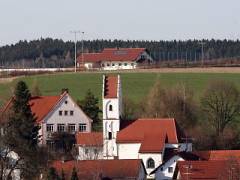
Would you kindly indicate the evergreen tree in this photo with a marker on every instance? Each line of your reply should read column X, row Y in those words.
column 90, row 106
column 22, row 132
column 74, row 174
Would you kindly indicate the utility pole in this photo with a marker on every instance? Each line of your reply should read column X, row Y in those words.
column 82, row 49
column 75, row 43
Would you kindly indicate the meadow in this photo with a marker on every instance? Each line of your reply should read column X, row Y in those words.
column 135, row 85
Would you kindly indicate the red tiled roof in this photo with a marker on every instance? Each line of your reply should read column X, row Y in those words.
column 40, row 105
column 110, row 86
column 135, row 132
column 218, row 154
column 94, row 169
column 113, row 54
column 90, row 139
column 206, row 170
column 148, row 146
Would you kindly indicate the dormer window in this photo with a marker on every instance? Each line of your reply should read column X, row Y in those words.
column 110, row 107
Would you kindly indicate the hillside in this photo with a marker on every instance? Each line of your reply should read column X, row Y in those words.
column 135, row 85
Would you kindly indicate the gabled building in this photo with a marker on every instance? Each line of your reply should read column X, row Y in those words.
column 102, row 169
column 115, row 58
column 57, row 114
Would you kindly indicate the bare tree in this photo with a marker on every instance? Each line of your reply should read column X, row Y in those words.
column 221, row 104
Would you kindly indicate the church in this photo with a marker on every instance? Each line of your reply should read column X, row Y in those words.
column 147, row 139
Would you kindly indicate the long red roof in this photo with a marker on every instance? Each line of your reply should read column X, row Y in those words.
column 97, row 169
column 90, row 139
column 144, row 131
column 218, row 154
column 40, row 105
column 112, row 54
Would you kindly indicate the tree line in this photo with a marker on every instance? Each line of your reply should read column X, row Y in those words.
column 58, row 53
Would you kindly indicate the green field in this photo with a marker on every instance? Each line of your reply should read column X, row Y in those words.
column 135, row 85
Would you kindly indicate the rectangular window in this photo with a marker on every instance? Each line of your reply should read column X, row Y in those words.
column 120, row 64
column 49, row 127
column 108, row 64
column 61, row 127
column 125, row 64
column 86, row 151
column 71, row 113
column 65, row 113
column 82, row 127
column 170, row 169
column 113, row 64
column 60, row 113
column 71, row 127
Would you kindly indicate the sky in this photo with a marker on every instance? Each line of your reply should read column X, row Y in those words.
column 119, row 19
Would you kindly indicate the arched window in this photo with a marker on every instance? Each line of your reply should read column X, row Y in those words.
column 110, row 107
column 150, row 163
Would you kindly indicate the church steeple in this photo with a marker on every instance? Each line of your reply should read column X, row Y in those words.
column 112, row 111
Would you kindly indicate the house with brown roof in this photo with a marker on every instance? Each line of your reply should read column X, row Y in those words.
column 102, row 169
column 144, row 138
column 115, row 58
column 57, row 114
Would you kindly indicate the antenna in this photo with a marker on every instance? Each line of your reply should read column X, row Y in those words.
column 75, row 43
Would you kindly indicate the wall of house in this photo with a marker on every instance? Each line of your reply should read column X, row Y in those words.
column 128, row 150
column 78, row 117
column 89, row 152
column 115, row 65
column 157, row 157
column 163, row 171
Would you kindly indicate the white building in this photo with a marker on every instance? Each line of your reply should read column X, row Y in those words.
column 146, row 139
column 116, row 58
column 57, row 114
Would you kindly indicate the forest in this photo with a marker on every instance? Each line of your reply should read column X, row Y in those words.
column 58, row 53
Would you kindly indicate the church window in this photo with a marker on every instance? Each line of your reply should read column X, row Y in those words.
column 150, row 163
column 110, row 107
column 110, row 135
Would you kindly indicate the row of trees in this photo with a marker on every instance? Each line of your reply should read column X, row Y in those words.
column 212, row 122
column 57, row 53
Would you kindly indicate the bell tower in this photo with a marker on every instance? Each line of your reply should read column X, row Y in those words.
column 112, row 111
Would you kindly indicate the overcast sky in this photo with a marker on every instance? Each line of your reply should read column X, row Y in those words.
column 119, row 19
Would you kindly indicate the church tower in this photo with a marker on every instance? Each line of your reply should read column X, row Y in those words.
column 112, row 111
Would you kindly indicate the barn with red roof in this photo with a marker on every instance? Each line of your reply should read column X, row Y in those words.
column 116, row 58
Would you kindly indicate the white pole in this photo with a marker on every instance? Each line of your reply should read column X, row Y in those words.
column 75, row 44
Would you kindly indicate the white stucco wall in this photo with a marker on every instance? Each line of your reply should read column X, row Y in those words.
column 54, row 118
column 157, row 157
column 115, row 65
column 128, row 150
column 162, row 173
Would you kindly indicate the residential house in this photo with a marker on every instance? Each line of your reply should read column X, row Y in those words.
column 57, row 114
column 115, row 58
column 102, row 169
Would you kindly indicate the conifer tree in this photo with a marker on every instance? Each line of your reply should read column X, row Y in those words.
column 52, row 174
column 90, row 106
column 22, row 132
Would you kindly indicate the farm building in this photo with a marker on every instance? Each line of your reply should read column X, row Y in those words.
column 115, row 58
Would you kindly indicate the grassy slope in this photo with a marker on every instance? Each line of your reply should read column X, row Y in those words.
column 135, row 85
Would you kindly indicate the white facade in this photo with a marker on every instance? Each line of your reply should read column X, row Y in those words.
column 66, row 116
column 116, row 65
column 128, row 150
